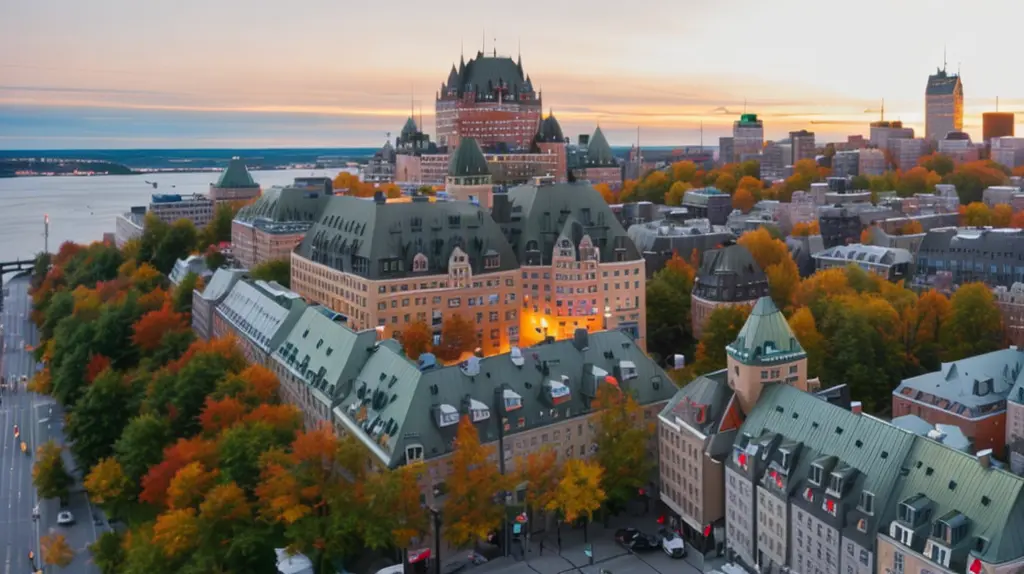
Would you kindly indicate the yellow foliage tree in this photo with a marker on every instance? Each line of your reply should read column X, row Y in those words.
column 56, row 550
column 684, row 171
column 806, row 330
column 606, row 192
column 976, row 214
column 579, row 493
column 674, row 196
column 471, row 509
column 743, row 200
column 1002, row 215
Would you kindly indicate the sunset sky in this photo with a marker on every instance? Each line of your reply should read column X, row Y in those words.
column 261, row 73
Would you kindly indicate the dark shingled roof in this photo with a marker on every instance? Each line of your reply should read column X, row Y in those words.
column 468, row 160
column 409, row 129
column 599, row 153
column 542, row 214
column 404, row 406
column 356, row 235
column 484, row 73
column 282, row 204
column 236, row 176
column 730, row 274
column 550, row 131
column 942, row 84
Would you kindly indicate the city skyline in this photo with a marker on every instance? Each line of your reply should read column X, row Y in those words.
column 114, row 74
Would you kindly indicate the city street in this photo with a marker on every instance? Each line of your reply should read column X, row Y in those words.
column 39, row 420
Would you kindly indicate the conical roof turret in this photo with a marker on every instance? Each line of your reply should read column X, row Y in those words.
column 599, row 153
column 236, row 176
column 468, row 160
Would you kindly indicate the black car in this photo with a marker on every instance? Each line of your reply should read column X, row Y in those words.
column 636, row 541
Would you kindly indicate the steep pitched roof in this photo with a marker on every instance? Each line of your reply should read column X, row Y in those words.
column 409, row 129
column 599, row 153
column 221, row 283
column 701, row 403
column 283, row 204
column 468, row 160
column 351, row 231
column 766, row 337
column 731, row 259
column 970, row 387
column 236, row 176
column 485, row 73
column 542, row 214
column 261, row 311
column 550, row 131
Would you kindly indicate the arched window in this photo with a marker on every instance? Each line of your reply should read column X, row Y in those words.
column 419, row 263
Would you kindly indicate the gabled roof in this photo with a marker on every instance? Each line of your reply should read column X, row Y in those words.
column 409, row 129
column 550, row 131
column 403, row 404
column 259, row 313
column 599, row 153
column 221, row 283
column 766, row 337
column 349, row 228
column 468, row 160
column 969, row 387
column 542, row 214
column 709, row 391
column 236, row 176
column 484, row 73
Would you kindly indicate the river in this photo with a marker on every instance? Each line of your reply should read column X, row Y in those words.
column 82, row 209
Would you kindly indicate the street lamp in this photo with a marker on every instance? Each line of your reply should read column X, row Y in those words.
column 436, row 515
column 607, row 316
column 499, row 408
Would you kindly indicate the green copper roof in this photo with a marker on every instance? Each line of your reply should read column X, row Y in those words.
column 599, row 153
column 468, row 160
column 235, row 176
column 409, row 129
column 766, row 337
column 550, row 131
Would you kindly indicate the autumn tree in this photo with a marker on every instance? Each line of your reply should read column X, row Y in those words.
column 806, row 331
column 622, row 436
column 975, row 325
column 939, row 163
column 141, row 445
column 912, row 227
column 675, row 193
column 684, row 171
column 606, row 192
column 471, row 508
column 922, row 327
column 458, row 336
column 107, row 485
column 972, row 178
column 726, row 182
column 720, row 330
column 182, row 297
column 55, row 550
column 49, row 475
column 976, row 214
column 578, row 492
column 190, row 485
column 917, row 180
column 1002, row 215
column 541, row 471
column 278, row 270
column 157, row 480
column 668, row 307
column 805, row 229
column 108, row 552
column 176, row 532
column 219, row 414
column 743, row 200
column 654, row 187
column 150, row 330
column 417, row 338
column 773, row 257
column 394, row 501
column 628, row 192
column 219, row 228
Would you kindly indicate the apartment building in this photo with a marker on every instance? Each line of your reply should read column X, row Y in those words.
column 906, row 152
column 206, row 300
column 949, row 257
column 170, row 207
column 970, row 393
column 1008, row 151
column 884, row 132
column 195, row 264
column 747, row 136
column 803, row 145
column 128, row 225
column 658, row 241
column 846, row 163
column 258, row 315
column 892, row 263
column 728, row 276
column 708, row 203
column 1015, row 427
column 871, row 162
column 774, row 160
column 1011, row 304
column 387, row 265
column 274, row 224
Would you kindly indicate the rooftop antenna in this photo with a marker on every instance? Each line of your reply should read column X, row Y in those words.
column 943, row 57
column 421, row 117
column 483, row 40
column 494, row 46
column 997, row 103
column 412, row 110
column 883, row 110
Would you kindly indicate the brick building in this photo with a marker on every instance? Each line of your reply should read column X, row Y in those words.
column 271, row 226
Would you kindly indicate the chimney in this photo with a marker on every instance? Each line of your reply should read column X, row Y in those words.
column 379, row 197
column 501, row 209
column 985, row 458
column 856, row 407
column 581, row 340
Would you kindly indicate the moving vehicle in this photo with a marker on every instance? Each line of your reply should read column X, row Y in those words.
column 672, row 544
column 17, row 432
column 636, row 541
column 24, row 447
column 65, row 518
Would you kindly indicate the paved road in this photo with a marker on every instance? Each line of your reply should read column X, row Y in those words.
column 39, row 420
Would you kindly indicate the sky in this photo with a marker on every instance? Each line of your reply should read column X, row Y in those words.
column 339, row 73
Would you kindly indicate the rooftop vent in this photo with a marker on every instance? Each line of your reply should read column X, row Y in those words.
column 471, row 366
column 447, row 415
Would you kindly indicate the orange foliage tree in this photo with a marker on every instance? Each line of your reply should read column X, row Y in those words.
column 158, row 479
column 56, row 550
column 471, row 510
column 176, row 532
column 773, row 257
column 417, row 339
column 1002, row 215
column 458, row 336
column 976, row 214
column 190, row 485
column 149, row 330
column 912, row 227
column 1017, row 222
column 541, row 470
column 805, row 229
column 606, row 192
column 219, row 414
column 743, row 200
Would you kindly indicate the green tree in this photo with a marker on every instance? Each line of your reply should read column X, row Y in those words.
column 622, row 437
column 183, row 293
column 49, row 475
column 975, row 325
column 214, row 259
column 219, row 228
column 279, row 270
column 668, row 308
column 860, row 182
column 108, row 553
column 240, row 448
column 179, row 241
column 99, row 418
column 154, row 230
column 142, row 445
column 939, row 163
column 720, row 330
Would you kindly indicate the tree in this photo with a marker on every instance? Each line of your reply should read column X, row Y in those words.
column 219, row 228
column 628, row 191
column 458, row 336
column 176, row 532
column 675, row 194
column 975, row 325
column 220, row 414
column 49, row 475
column 180, row 240
column 622, row 437
column 108, row 552
column 541, row 471
column 972, row 178
column 654, row 187
column 157, row 480
column 190, row 485
column 107, row 485
column 726, row 182
column 976, row 214
column 97, row 364
column 141, row 445
column 578, row 493
column 149, row 331
column 917, row 180
column 941, row 164
column 773, row 257
column 183, row 293
column 417, row 338
column 395, row 501
column 743, row 200
column 923, row 324
column 805, row 229
column 803, row 325
column 721, row 329
column 684, row 171
column 279, row 270
column 606, row 192
column 668, row 307
column 1002, row 215
column 1018, row 220
column 860, row 182
column 471, row 508
column 56, row 550
column 214, row 258
column 912, row 227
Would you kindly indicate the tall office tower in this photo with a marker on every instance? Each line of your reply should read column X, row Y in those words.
column 943, row 105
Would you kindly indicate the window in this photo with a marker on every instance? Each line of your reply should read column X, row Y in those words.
column 867, row 502
column 492, row 261
column 864, row 558
column 816, row 474
column 454, row 302
column 413, row 452
column 897, row 562
column 419, row 263
column 906, row 514
column 836, row 483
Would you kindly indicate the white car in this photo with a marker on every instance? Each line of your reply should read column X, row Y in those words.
column 672, row 544
column 65, row 518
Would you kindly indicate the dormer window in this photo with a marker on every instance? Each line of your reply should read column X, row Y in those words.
column 835, row 485
column 816, row 475
column 492, row 260
column 628, row 370
column 413, row 453
column 478, row 411
column 785, row 459
column 419, row 263
column 447, row 415
column 558, row 392
column 867, row 502
column 512, row 400
column 516, row 355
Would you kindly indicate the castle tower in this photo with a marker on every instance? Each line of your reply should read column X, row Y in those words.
column 468, row 175
column 550, row 140
column 765, row 351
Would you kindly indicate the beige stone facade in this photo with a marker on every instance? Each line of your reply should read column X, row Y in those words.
column 692, row 483
column 488, row 299
column 257, row 243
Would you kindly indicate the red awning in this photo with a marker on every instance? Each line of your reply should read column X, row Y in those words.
column 419, row 555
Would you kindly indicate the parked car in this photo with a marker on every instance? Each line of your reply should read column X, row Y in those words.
column 65, row 518
column 635, row 540
column 672, row 544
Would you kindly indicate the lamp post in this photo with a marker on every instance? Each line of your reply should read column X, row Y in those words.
column 436, row 515
column 499, row 408
column 607, row 316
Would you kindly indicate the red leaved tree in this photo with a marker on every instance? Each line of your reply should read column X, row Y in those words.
column 219, row 414
column 150, row 329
